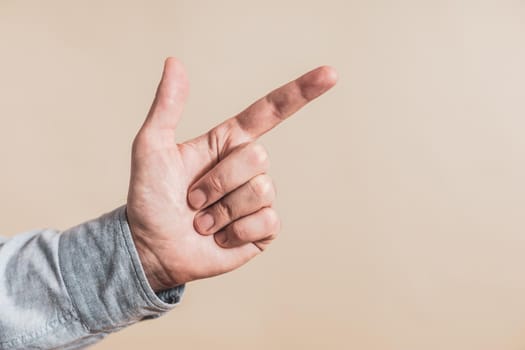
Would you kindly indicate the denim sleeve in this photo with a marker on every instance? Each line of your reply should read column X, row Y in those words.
column 68, row 290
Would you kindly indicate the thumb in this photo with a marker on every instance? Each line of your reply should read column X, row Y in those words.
column 170, row 98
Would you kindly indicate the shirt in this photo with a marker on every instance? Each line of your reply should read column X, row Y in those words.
column 68, row 290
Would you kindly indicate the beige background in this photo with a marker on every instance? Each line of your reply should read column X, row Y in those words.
column 401, row 191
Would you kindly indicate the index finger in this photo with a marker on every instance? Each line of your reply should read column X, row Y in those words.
column 267, row 112
column 263, row 115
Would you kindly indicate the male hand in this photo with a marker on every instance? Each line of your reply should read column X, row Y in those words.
column 204, row 207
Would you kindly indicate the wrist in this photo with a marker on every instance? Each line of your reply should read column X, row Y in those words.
column 157, row 277
column 156, row 274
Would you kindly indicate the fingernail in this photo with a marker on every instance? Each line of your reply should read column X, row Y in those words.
column 204, row 221
column 197, row 198
column 221, row 237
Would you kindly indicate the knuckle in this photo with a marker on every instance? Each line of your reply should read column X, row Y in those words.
column 270, row 236
column 258, row 155
column 238, row 231
column 223, row 210
column 271, row 220
column 216, row 183
column 279, row 102
column 262, row 186
column 275, row 232
column 216, row 139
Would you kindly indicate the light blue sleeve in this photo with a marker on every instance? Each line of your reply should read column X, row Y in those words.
column 68, row 290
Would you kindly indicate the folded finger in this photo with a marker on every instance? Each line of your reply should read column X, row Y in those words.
column 260, row 226
column 254, row 195
column 236, row 169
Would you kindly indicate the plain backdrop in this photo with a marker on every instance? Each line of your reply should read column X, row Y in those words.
column 401, row 191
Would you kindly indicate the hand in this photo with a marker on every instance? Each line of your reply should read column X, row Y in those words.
column 203, row 207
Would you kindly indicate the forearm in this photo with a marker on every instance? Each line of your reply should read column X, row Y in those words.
column 71, row 289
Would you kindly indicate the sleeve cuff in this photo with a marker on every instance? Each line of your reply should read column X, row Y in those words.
column 104, row 276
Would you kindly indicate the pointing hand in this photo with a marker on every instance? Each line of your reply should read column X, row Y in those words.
column 204, row 207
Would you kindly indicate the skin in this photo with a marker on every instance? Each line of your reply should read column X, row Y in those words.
column 204, row 207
